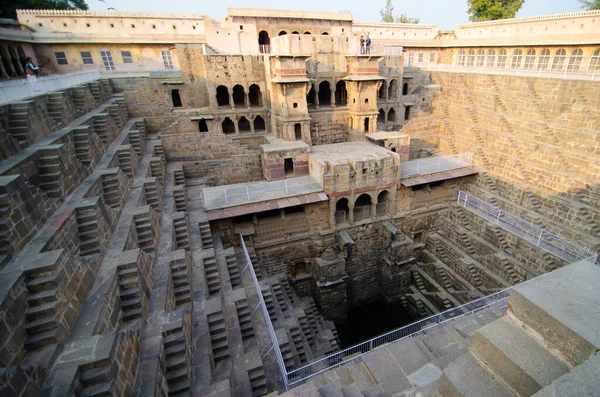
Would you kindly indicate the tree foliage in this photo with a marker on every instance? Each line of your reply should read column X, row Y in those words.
column 590, row 4
column 387, row 15
column 9, row 8
column 489, row 10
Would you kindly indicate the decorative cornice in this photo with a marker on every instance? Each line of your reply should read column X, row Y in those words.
column 110, row 14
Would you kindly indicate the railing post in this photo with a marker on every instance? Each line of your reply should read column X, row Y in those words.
column 540, row 238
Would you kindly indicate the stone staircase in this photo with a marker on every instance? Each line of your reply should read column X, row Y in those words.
column 258, row 381
column 211, row 272
column 49, row 172
column 18, row 123
column 473, row 271
column 205, row 235
column 180, row 198
column 180, row 277
column 97, row 379
column 101, row 127
column 179, row 177
column 466, row 242
column 158, row 151
column 144, row 232
column 152, row 197
column 244, row 319
column 124, row 157
column 178, row 364
column 55, row 106
column 233, row 269
column 131, row 292
column 218, row 336
column 110, row 189
column 87, row 230
column 81, row 141
column 180, row 233
column 157, row 170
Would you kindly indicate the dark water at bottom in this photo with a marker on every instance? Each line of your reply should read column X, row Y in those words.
column 370, row 320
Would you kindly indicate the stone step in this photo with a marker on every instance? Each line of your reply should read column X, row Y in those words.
column 41, row 325
column 95, row 376
column 100, row 390
column 468, row 377
column 40, row 311
column 523, row 363
column 43, row 297
column 41, row 339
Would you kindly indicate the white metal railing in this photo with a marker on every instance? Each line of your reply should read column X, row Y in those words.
column 265, row 312
column 431, row 165
column 585, row 69
column 301, row 374
column 542, row 238
column 16, row 90
column 378, row 49
column 264, row 48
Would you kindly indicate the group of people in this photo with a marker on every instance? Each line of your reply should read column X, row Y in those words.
column 365, row 45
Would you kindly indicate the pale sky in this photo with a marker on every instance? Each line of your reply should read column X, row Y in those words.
column 444, row 13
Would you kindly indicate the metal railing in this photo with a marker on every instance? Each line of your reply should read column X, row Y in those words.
column 378, row 49
column 431, row 165
column 542, row 238
column 16, row 90
column 333, row 360
column 263, row 307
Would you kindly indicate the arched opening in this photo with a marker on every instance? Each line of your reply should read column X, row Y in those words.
column 239, row 95
column 176, row 99
column 393, row 89
column 255, row 95
column 310, row 97
column 228, row 126
column 575, row 60
column 491, row 59
column 382, row 91
column 461, row 58
column 382, row 203
column 244, row 125
column 529, row 59
column 381, row 117
column 259, row 124
column 366, row 124
column 362, row 207
column 517, row 57
column 405, row 89
column 391, row 116
column 558, row 62
column 407, row 113
column 202, row 126
column 222, row 96
column 479, row 58
column 295, row 32
column 544, row 59
column 341, row 95
column 324, row 93
column 307, row 33
column 298, row 131
column 341, row 211
column 471, row 58
column 501, row 59
column 594, row 64
column 263, row 41
column 325, row 34
column 282, row 33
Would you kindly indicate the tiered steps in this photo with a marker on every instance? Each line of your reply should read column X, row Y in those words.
column 288, row 290
column 181, row 282
column 49, row 172
column 98, row 381
column 418, row 281
column 130, row 292
column 152, row 198
column 135, row 141
column 244, row 319
column 466, row 243
column 180, row 198
column 276, row 287
column 81, row 140
column 124, row 157
column 303, row 321
column 288, row 356
column 42, row 312
column 110, row 190
column 268, row 298
column 258, row 381
column 213, row 281
column 205, row 236
column 234, row 271
column 179, row 177
column 157, row 170
column 474, row 274
column 178, row 365
column 87, row 230
column 56, row 106
column 298, row 344
column 180, row 231
column 218, row 336
column 145, row 232
column 18, row 123
column 159, row 151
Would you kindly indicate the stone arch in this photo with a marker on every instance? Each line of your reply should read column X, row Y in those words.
column 362, row 207
column 263, row 38
column 382, row 203
column 202, row 126
column 307, row 33
column 341, row 95
column 341, row 211
column 367, row 122
column 228, row 126
column 594, row 64
column 239, row 95
column 282, row 33
column 324, row 34
column 255, row 95
column 222, row 96
column 294, row 32
column 324, row 93
column 405, row 89
column 310, row 97
column 391, row 117
column 259, row 124
column 244, row 124
column 381, row 117
column 382, row 90
column 393, row 89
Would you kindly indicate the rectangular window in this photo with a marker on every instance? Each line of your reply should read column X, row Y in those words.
column 107, row 60
column 127, row 58
column 420, row 57
column 432, row 57
column 86, row 58
column 167, row 60
column 61, row 58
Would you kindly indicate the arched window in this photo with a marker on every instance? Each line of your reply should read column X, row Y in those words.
column 259, row 124
column 461, row 58
column 255, row 95
column 529, row 59
column 471, row 58
column 341, row 95
column 391, row 116
column 393, row 89
column 544, row 59
column 501, row 59
column 264, row 42
column 282, row 33
column 517, row 58
column 239, row 95
column 382, row 201
column 298, row 131
column 341, row 211
column 228, row 126
column 307, row 33
column 324, row 93
column 367, row 129
column 575, row 61
column 405, row 89
column 491, row 59
column 244, row 124
column 222, row 95
column 382, row 91
column 362, row 206
column 381, row 117
column 325, row 34
column 294, row 32
column 594, row 65
column 202, row 126
column 479, row 58
column 310, row 97
column 558, row 61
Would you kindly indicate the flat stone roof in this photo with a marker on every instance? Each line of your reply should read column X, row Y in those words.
column 277, row 145
column 383, row 135
column 341, row 153
column 228, row 196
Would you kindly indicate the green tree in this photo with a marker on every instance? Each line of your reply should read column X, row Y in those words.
column 590, row 5
column 9, row 9
column 489, row 10
column 387, row 15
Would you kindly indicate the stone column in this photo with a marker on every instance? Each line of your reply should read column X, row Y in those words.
column 330, row 276
column 231, row 100
column 317, row 98
column 237, row 128
column 333, row 98
column 247, row 93
column 385, row 114
column 252, row 125
column 374, row 208
column 350, row 211
column 385, row 92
